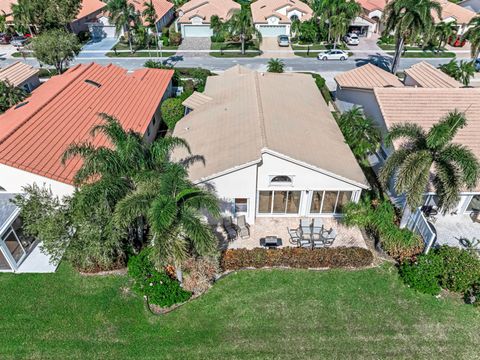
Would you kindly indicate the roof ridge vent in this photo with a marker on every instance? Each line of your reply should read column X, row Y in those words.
column 94, row 83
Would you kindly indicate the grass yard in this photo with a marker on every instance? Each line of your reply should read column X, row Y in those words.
column 426, row 54
column 142, row 54
column 234, row 46
column 288, row 314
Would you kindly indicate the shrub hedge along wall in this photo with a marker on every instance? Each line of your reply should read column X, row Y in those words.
column 235, row 259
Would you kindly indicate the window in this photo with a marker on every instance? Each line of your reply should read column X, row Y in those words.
column 148, row 130
column 14, row 246
column 279, row 202
column 241, row 206
column 281, row 179
column 329, row 202
column 3, row 262
column 154, row 120
column 293, row 18
column 474, row 204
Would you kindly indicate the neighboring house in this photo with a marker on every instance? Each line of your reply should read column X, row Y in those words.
column 271, row 146
column 6, row 8
column 35, row 133
column 426, row 75
column 89, row 11
column 275, row 17
column 194, row 16
column 20, row 75
column 373, row 9
column 363, row 26
column 473, row 5
column 453, row 12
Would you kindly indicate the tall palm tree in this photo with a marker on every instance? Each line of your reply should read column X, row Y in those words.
column 338, row 14
column 173, row 208
column 124, row 16
column 241, row 25
column 407, row 19
column 150, row 16
column 23, row 16
column 10, row 95
column 430, row 157
column 461, row 71
column 443, row 31
column 473, row 36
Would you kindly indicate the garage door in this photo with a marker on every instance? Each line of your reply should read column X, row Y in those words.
column 272, row 30
column 197, row 31
column 100, row 31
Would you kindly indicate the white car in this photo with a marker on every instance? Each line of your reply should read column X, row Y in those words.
column 283, row 40
column 332, row 55
column 351, row 39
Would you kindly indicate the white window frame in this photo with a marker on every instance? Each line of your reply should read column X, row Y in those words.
column 285, row 214
column 334, row 213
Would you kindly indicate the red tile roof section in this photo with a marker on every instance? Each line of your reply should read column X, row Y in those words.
column 89, row 7
column 161, row 6
column 33, row 137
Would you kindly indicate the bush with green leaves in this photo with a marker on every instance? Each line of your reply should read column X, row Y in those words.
column 424, row 274
column 10, row 95
column 472, row 295
column 275, row 66
column 308, row 31
column 322, row 86
column 172, row 111
column 159, row 287
column 379, row 217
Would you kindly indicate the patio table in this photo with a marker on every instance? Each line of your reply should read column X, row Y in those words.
column 271, row 242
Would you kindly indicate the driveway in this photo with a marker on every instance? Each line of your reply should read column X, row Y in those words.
column 97, row 47
column 270, row 49
column 192, row 44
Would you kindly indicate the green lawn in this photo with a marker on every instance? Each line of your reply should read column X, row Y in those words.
column 123, row 46
column 234, row 46
column 426, row 54
column 279, row 314
column 142, row 54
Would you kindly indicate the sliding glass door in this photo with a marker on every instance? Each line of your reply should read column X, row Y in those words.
column 279, row 202
column 329, row 202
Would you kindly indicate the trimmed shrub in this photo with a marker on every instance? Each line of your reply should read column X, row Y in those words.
column 235, row 259
column 461, row 268
column 199, row 273
column 175, row 38
column 423, row 275
column 172, row 111
column 160, row 288
column 322, row 86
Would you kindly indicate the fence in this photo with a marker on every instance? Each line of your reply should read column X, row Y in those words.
column 420, row 225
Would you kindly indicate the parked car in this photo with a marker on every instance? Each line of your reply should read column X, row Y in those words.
column 333, row 55
column 5, row 39
column 456, row 41
column 19, row 41
column 477, row 64
column 351, row 39
column 283, row 40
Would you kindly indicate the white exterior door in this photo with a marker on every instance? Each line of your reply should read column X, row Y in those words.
column 197, row 31
column 272, row 30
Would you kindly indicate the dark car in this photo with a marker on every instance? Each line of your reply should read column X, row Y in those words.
column 5, row 39
column 19, row 41
column 477, row 65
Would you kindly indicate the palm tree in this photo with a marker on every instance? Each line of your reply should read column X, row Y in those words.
column 10, row 95
column 461, row 71
column 473, row 36
column 408, row 19
column 360, row 133
column 275, row 66
column 241, row 25
column 23, row 16
column 124, row 16
column 172, row 206
column 444, row 31
column 338, row 14
column 430, row 157
column 150, row 16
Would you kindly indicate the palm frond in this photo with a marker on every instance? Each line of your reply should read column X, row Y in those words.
column 447, row 183
column 391, row 164
column 465, row 160
column 409, row 131
column 198, row 232
column 445, row 130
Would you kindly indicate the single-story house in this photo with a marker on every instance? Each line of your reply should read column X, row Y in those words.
column 89, row 11
column 35, row 133
column 473, row 5
column 271, row 146
column 363, row 26
column 6, row 9
column 454, row 12
column 373, row 9
column 274, row 17
column 194, row 16
column 424, row 74
column 21, row 75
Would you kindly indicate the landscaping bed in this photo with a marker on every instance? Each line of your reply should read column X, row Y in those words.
column 282, row 314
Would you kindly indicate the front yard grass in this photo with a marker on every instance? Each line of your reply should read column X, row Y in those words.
column 281, row 314
column 142, row 54
column 425, row 54
column 234, row 46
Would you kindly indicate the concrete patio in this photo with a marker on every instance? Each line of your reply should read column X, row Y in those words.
column 268, row 226
column 450, row 229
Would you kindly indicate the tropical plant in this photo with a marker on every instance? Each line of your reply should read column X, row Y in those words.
column 124, row 16
column 10, row 95
column 240, row 25
column 408, row 19
column 172, row 111
column 56, row 47
column 461, row 71
column 23, row 15
column 150, row 16
column 360, row 133
column 307, row 31
column 426, row 157
column 275, row 66
column 442, row 32
column 473, row 36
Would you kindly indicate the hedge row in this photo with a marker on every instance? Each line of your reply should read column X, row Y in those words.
column 235, row 259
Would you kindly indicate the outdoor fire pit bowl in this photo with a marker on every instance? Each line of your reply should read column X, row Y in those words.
column 271, row 242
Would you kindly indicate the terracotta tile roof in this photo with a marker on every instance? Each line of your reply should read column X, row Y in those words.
column 251, row 113
column 367, row 77
column 89, row 7
column 64, row 109
column 161, row 6
column 371, row 5
column 263, row 9
column 426, row 75
column 449, row 10
column 6, row 7
column 205, row 9
column 426, row 106
column 17, row 73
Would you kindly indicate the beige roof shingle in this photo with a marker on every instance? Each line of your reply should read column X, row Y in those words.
column 426, row 75
column 251, row 112
column 205, row 9
column 196, row 100
column 426, row 106
column 263, row 9
column 17, row 73
column 451, row 10
column 367, row 77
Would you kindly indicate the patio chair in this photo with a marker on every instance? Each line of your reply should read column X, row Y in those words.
column 229, row 228
column 318, row 243
column 243, row 229
column 306, row 226
column 329, row 236
column 317, row 226
column 294, row 236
